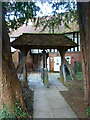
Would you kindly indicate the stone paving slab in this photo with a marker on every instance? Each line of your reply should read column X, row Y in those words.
column 64, row 113
column 48, row 102
column 53, row 78
column 43, row 114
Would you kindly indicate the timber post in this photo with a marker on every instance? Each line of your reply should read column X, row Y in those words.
column 62, row 68
column 45, row 70
column 24, row 81
column 43, row 54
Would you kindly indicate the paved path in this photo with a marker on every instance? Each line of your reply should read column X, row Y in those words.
column 48, row 102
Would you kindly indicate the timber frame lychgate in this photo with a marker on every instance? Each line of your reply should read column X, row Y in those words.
column 28, row 41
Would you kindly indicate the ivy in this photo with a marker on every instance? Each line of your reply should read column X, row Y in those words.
column 88, row 111
column 9, row 112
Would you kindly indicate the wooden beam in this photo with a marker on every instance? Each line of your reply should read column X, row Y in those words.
column 70, row 69
column 20, row 65
column 62, row 68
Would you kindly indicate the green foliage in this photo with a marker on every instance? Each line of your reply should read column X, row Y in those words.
column 77, row 67
column 88, row 111
column 79, row 76
column 21, row 12
column 54, row 21
column 78, row 71
column 69, row 77
column 18, row 13
column 9, row 112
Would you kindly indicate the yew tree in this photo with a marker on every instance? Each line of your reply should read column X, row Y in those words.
column 63, row 13
column 10, row 88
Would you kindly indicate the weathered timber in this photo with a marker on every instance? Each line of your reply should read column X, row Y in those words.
column 62, row 68
column 70, row 69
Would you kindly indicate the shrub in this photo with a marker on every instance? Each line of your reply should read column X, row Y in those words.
column 9, row 112
column 88, row 111
column 77, row 67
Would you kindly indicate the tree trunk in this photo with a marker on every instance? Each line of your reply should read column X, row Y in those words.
column 9, row 84
column 84, row 22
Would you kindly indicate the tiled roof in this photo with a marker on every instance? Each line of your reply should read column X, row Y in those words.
column 43, row 41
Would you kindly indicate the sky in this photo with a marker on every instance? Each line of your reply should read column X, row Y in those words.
column 46, row 9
